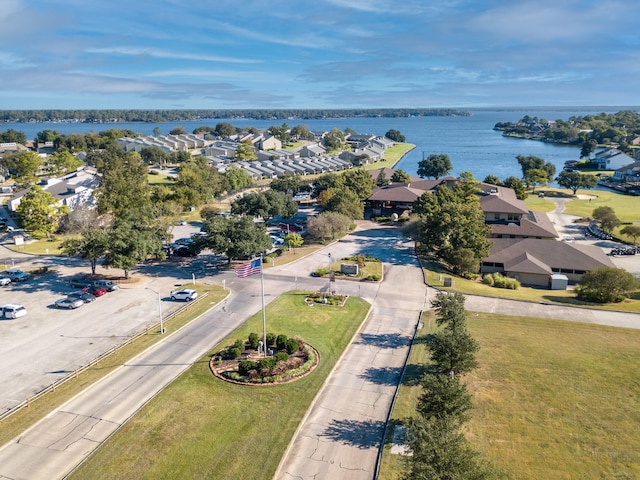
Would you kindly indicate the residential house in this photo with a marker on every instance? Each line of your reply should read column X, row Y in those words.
column 611, row 159
column 314, row 150
column 628, row 173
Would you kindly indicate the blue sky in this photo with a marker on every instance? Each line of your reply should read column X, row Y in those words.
column 219, row 54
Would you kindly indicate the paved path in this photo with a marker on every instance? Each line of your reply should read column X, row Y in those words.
column 342, row 433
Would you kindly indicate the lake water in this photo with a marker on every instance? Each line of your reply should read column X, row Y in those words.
column 470, row 142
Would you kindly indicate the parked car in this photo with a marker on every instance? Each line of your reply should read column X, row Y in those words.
column 110, row 285
column 86, row 297
column 80, row 282
column 291, row 227
column 70, row 303
column 95, row 291
column 17, row 275
column 13, row 311
column 4, row 281
column 186, row 294
column 184, row 252
column 183, row 241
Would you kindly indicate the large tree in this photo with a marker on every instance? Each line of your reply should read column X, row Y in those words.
column 450, row 225
column 632, row 231
column 440, row 451
column 91, row 245
column 28, row 165
column 328, row 226
column 123, row 184
column 400, row 176
column 606, row 285
column 435, row 165
column 536, row 177
column 575, row 180
column 265, row 205
column 62, row 162
column 517, row 185
column 134, row 236
column 40, row 212
column 197, row 182
column 360, row 182
column 245, row 151
column 234, row 237
column 395, row 135
column 346, row 202
column 235, row 178
column 531, row 162
column 606, row 217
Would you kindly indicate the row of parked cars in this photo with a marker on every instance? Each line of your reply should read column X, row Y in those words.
column 89, row 291
column 15, row 275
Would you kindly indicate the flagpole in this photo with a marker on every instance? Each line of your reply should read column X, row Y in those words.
column 264, row 317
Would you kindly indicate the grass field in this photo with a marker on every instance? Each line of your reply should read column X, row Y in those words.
column 552, row 399
column 202, row 427
column 626, row 207
column 21, row 420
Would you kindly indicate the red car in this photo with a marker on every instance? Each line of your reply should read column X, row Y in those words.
column 95, row 291
column 291, row 227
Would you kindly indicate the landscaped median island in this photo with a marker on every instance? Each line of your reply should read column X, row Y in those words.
column 359, row 267
column 201, row 427
column 552, row 399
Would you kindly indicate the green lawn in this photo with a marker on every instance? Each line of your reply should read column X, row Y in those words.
column 202, row 427
column 391, row 156
column 17, row 423
column 626, row 207
column 552, row 399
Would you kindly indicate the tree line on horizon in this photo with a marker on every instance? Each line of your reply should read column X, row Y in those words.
column 155, row 116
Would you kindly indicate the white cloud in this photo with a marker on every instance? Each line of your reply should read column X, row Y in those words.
column 152, row 52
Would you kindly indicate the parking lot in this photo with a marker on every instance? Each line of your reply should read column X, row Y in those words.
column 49, row 342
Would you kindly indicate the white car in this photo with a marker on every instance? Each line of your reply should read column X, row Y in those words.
column 4, row 281
column 69, row 303
column 186, row 294
column 13, row 311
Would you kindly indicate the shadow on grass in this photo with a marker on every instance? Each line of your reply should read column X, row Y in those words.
column 356, row 433
column 415, row 373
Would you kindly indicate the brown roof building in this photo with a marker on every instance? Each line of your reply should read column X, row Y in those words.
column 533, row 261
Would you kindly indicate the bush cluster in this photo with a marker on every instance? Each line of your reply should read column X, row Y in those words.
column 498, row 280
column 331, row 299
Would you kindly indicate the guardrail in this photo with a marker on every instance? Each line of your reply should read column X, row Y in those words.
column 98, row 359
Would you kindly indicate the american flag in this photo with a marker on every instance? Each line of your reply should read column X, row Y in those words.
column 249, row 268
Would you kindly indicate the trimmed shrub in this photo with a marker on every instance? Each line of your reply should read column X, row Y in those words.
column 291, row 345
column 245, row 366
column 234, row 352
column 488, row 279
column 254, row 338
column 281, row 342
column 271, row 339
column 281, row 356
column 239, row 344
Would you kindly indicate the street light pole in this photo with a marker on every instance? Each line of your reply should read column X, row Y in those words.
column 329, row 289
column 159, row 307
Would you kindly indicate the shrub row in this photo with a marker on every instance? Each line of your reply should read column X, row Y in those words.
column 498, row 280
